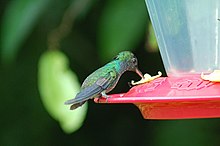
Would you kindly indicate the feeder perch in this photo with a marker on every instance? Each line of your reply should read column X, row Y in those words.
column 187, row 33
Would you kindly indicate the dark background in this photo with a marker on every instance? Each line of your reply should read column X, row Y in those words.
column 25, row 121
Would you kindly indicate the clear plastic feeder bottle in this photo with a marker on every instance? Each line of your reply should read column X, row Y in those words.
column 187, row 33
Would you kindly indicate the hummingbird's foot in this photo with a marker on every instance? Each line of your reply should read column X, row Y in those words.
column 99, row 96
column 105, row 96
column 98, row 100
column 106, row 101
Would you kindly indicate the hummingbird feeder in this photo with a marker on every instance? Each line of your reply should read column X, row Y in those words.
column 188, row 35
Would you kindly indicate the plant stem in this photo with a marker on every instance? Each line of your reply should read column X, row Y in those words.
column 68, row 19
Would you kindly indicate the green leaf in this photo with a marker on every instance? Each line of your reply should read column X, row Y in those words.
column 57, row 83
column 122, row 25
column 18, row 21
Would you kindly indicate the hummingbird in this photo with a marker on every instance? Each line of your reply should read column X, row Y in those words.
column 104, row 79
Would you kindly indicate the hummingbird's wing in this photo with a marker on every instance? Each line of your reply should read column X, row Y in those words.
column 102, row 84
column 85, row 94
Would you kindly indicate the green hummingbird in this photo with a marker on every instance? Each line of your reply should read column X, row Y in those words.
column 104, row 79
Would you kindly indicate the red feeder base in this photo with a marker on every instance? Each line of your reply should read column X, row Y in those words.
column 173, row 98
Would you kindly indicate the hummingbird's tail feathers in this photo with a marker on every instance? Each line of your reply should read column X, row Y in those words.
column 74, row 106
column 71, row 101
column 85, row 94
column 89, row 92
column 77, row 99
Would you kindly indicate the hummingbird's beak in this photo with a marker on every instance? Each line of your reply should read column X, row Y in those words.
column 139, row 73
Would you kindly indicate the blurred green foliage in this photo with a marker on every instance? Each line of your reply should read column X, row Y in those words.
column 35, row 79
column 57, row 83
column 128, row 19
column 18, row 21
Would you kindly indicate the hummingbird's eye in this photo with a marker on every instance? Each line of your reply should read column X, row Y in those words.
column 134, row 60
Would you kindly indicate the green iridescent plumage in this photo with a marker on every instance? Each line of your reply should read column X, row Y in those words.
column 104, row 79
